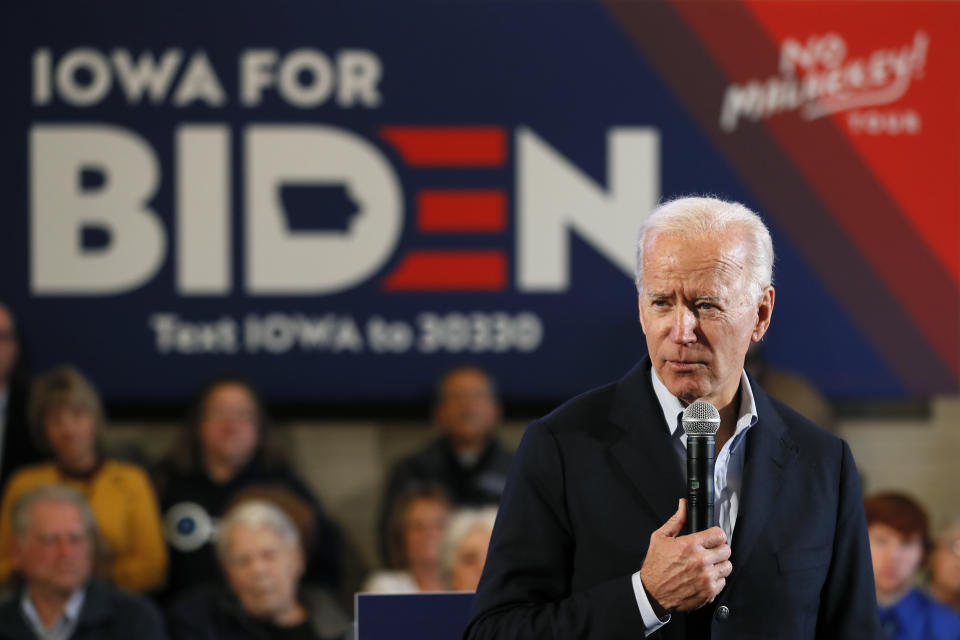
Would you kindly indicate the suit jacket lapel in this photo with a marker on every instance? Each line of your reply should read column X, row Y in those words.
column 644, row 452
column 769, row 455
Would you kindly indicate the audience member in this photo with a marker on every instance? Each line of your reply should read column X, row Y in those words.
column 415, row 544
column 16, row 446
column 259, row 549
column 899, row 540
column 945, row 567
column 222, row 452
column 465, row 547
column 466, row 459
column 52, row 550
column 327, row 606
column 66, row 417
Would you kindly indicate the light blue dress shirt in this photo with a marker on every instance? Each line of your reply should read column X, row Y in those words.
column 65, row 625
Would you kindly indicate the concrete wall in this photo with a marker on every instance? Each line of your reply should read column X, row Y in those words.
column 346, row 462
column 921, row 457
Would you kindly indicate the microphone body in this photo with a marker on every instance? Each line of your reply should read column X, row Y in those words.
column 700, row 489
column 700, row 422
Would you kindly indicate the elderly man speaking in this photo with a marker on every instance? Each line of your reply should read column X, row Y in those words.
column 589, row 542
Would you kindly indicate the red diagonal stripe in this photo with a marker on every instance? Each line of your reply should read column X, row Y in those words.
column 449, row 146
column 463, row 211
column 887, row 237
column 697, row 79
column 449, row 271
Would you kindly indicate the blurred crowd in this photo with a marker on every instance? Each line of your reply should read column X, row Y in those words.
column 223, row 538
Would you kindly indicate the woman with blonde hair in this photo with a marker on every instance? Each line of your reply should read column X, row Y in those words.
column 67, row 418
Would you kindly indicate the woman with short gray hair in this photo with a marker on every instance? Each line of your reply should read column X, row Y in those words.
column 259, row 549
column 465, row 547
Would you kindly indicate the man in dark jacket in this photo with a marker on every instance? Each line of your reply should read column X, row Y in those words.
column 466, row 459
column 590, row 540
column 53, row 552
column 16, row 447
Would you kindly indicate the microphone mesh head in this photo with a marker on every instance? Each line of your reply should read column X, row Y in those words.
column 700, row 418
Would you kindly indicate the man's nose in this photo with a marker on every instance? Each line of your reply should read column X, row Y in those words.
column 258, row 566
column 684, row 327
column 65, row 546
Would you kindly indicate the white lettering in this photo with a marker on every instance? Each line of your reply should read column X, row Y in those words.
column 146, row 76
column 555, row 197
column 199, row 83
column 279, row 333
column 477, row 332
column 358, row 73
column 171, row 334
column 203, row 210
column 323, row 261
column 62, row 209
column 385, row 336
column 306, row 78
column 830, row 83
column 42, row 91
column 256, row 74
column 93, row 63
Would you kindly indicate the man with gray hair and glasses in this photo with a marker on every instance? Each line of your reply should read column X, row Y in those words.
column 590, row 541
column 53, row 552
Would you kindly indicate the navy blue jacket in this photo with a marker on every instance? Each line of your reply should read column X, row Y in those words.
column 592, row 481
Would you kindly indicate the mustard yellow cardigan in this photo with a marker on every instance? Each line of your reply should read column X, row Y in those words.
column 125, row 506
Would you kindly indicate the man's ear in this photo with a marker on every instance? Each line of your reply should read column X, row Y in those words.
column 764, row 314
column 640, row 314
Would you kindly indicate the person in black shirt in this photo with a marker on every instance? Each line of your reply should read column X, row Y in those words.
column 17, row 448
column 466, row 459
column 222, row 453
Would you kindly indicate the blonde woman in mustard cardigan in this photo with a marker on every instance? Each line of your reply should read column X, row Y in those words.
column 67, row 417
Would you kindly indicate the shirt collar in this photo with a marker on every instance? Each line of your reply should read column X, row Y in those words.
column 672, row 408
column 69, row 615
column 74, row 604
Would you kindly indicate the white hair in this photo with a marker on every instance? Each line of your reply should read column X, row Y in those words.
column 21, row 514
column 692, row 216
column 255, row 514
column 461, row 524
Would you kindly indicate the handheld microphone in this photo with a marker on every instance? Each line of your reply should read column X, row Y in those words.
column 700, row 422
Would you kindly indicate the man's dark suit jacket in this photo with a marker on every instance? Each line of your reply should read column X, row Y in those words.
column 592, row 481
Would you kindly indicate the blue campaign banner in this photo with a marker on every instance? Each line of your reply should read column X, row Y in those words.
column 342, row 199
